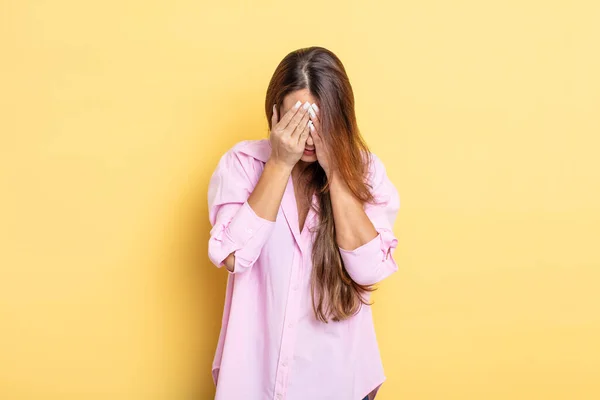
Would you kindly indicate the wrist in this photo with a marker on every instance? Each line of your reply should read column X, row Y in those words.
column 333, row 176
column 278, row 166
column 336, row 181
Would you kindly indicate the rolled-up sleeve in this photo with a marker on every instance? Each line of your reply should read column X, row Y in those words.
column 236, row 228
column 374, row 261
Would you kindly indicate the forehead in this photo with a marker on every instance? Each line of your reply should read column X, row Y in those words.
column 303, row 95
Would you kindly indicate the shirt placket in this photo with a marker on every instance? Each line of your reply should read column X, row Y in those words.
column 288, row 340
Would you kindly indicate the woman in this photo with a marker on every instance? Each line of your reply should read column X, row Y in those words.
column 303, row 223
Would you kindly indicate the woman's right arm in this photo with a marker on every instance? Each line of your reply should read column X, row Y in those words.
column 242, row 215
column 265, row 200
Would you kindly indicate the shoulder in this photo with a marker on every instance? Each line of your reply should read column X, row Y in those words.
column 382, row 187
column 243, row 161
column 249, row 151
column 376, row 171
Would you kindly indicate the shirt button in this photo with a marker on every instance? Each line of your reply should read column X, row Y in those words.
column 296, row 287
column 290, row 325
column 249, row 230
column 279, row 396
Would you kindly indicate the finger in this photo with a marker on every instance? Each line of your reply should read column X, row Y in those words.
column 291, row 113
column 315, row 117
column 311, row 111
column 302, row 124
column 316, row 123
column 317, row 139
column 297, row 118
column 304, row 134
column 274, row 117
column 301, row 128
column 315, row 135
column 312, row 129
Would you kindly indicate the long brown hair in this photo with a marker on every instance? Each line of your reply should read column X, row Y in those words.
column 334, row 294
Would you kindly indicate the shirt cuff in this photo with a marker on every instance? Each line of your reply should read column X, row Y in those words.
column 373, row 261
column 246, row 235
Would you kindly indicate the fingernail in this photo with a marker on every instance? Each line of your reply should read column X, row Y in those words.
column 306, row 105
column 315, row 107
column 297, row 104
column 312, row 113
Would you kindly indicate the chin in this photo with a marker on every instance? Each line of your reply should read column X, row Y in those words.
column 308, row 159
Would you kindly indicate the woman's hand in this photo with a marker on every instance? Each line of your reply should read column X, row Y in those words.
column 288, row 135
column 322, row 150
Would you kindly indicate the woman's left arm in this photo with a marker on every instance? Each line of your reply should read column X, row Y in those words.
column 365, row 235
column 352, row 224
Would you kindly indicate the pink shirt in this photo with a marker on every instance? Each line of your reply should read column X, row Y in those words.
column 271, row 346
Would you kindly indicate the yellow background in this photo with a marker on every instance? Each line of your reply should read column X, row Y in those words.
column 114, row 114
